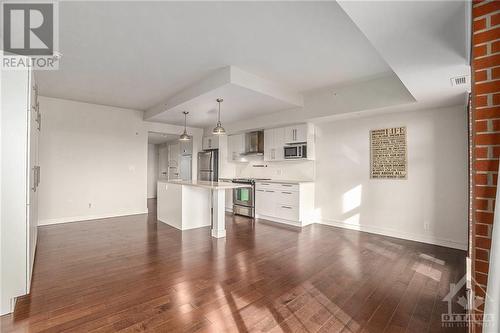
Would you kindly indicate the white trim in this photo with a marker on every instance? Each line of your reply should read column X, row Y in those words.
column 218, row 233
column 229, row 209
column 88, row 217
column 396, row 234
column 278, row 220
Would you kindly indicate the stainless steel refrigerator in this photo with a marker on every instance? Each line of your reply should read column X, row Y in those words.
column 208, row 165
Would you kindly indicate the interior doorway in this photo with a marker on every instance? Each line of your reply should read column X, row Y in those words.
column 168, row 158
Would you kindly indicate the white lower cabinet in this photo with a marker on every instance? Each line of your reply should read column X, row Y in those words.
column 285, row 202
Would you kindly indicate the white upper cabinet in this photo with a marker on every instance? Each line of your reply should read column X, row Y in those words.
column 296, row 134
column 236, row 147
column 210, row 142
column 274, row 141
column 277, row 138
column 269, row 148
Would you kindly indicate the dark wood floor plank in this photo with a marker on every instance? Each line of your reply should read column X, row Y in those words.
column 134, row 274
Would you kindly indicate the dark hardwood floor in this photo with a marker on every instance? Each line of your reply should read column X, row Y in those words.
column 136, row 274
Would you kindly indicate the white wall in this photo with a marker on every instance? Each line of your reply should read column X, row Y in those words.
column 152, row 170
column 430, row 206
column 97, row 155
column 93, row 161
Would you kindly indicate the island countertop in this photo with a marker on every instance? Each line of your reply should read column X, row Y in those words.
column 205, row 184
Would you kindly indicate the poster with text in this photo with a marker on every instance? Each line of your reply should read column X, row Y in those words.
column 388, row 154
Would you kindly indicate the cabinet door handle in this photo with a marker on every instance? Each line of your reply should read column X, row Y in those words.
column 287, row 207
column 270, row 191
column 286, row 192
column 260, row 190
column 33, row 188
column 286, row 185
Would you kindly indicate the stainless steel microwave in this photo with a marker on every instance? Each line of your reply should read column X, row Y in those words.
column 295, row 151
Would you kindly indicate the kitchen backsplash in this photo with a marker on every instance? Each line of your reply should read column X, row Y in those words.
column 292, row 170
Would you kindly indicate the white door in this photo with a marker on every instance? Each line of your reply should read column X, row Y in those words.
column 34, row 173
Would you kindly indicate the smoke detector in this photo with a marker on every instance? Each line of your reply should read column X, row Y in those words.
column 463, row 80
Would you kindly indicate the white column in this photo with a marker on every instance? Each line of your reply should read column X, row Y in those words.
column 218, row 214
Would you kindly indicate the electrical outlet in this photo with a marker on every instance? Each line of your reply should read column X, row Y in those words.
column 426, row 226
column 279, row 172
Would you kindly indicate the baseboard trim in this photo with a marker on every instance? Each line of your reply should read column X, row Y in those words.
column 278, row 220
column 88, row 217
column 396, row 234
column 229, row 209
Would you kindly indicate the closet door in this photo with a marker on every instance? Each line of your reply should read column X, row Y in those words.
column 33, row 175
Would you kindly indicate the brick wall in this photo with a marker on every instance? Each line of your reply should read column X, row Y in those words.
column 485, row 134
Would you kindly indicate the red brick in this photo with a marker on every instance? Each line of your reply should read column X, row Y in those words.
column 483, row 243
column 486, row 62
column 485, row 191
column 479, row 291
column 487, row 139
column 482, row 230
column 480, row 76
column 486, row 36
column 488, row 113
column 481, row 126
column 479, row 51
column 486, row 165
column 496, row 125
column 480, row 277
column 484, row 217
column 481, row 152
column 495, row 47
column 481, row 204
column 482, row 254
column 496, row 152
column 487, row 8
column 479, row 24
column 495, row 20
column 495, row 73
column 481, row 178
column 496, row 99
column 487, row 87
column 481, row 101
column 481, row 266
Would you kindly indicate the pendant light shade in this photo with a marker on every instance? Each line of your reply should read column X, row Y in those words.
column 184, row 136
column 219, row 130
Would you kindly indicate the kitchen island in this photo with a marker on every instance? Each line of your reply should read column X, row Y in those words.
column 193, row 204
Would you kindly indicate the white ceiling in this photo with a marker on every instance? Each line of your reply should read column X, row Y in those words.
column 426, row 43
column 137, row 54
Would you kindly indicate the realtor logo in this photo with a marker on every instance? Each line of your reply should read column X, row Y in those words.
column 29, row 34
column 28, row 28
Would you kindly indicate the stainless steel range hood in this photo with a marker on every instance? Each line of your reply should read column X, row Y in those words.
column 254, row 143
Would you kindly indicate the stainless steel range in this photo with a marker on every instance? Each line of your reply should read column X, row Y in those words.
column 244, row 198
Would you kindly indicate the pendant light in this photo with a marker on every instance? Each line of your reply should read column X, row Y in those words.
column 184, row 136
column 219, row 130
